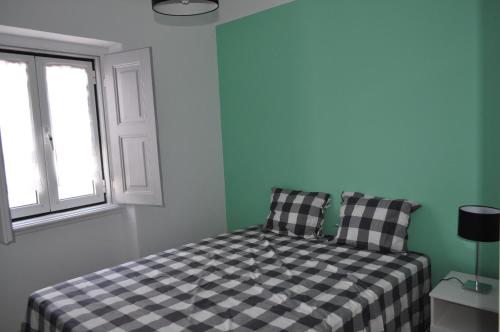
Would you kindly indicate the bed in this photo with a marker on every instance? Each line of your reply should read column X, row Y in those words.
column 247, row 280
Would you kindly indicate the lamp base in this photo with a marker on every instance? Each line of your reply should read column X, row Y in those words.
column 477, row 286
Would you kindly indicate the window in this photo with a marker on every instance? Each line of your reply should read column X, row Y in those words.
column 53, row 149
column 50, row 134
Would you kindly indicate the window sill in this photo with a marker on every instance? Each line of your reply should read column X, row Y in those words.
column 63, row 218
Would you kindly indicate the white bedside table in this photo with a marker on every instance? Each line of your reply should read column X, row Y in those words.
column 456, row 309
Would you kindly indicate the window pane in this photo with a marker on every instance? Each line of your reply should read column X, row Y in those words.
column 76, row 159
column 16, row 124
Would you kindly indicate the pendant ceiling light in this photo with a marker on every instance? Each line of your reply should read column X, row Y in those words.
column 184, row 7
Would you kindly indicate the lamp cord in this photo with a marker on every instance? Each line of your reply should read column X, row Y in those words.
column 460, row 281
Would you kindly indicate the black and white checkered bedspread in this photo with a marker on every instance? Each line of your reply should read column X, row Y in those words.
column 244, row 281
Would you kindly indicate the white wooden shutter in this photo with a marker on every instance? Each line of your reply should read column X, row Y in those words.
column 6, row 234
column 131, row 118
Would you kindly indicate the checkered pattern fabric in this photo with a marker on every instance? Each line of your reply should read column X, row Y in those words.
column 414, row 205
column 374, row 223
column 297, row 213
column 250, row 280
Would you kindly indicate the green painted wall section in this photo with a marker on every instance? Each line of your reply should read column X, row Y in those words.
column 388, row 97
column 490, row 108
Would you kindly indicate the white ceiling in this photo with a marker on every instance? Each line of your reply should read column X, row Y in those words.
column 229, row 10
column 233, row 9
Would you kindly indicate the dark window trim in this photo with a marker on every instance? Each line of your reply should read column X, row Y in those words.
column 59, row 211
column 48, row 55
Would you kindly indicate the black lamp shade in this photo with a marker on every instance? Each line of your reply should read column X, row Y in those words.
column 479, row 223
column 184, row 7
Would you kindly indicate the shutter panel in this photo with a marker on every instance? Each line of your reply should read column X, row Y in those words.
column 6, row 234
column 132, row 134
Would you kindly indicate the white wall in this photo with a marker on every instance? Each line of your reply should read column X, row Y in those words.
column 186, row 83
column 41, row 258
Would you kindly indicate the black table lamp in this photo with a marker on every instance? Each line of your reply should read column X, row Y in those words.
column 480, row 224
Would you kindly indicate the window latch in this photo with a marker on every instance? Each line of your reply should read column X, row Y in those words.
column 51, row 140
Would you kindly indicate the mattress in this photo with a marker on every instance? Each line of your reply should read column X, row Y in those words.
column 248, row 280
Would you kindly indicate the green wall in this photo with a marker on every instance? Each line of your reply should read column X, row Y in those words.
column 389, row 97
column 490, row 106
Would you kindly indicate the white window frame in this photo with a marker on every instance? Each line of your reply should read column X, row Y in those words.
column 99, row 189
column 42, row 213
column 19, row 39
column 47, row 194
column 43, row 205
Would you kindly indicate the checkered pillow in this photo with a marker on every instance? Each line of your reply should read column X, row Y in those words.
column 297, row 213
column 374, row 223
